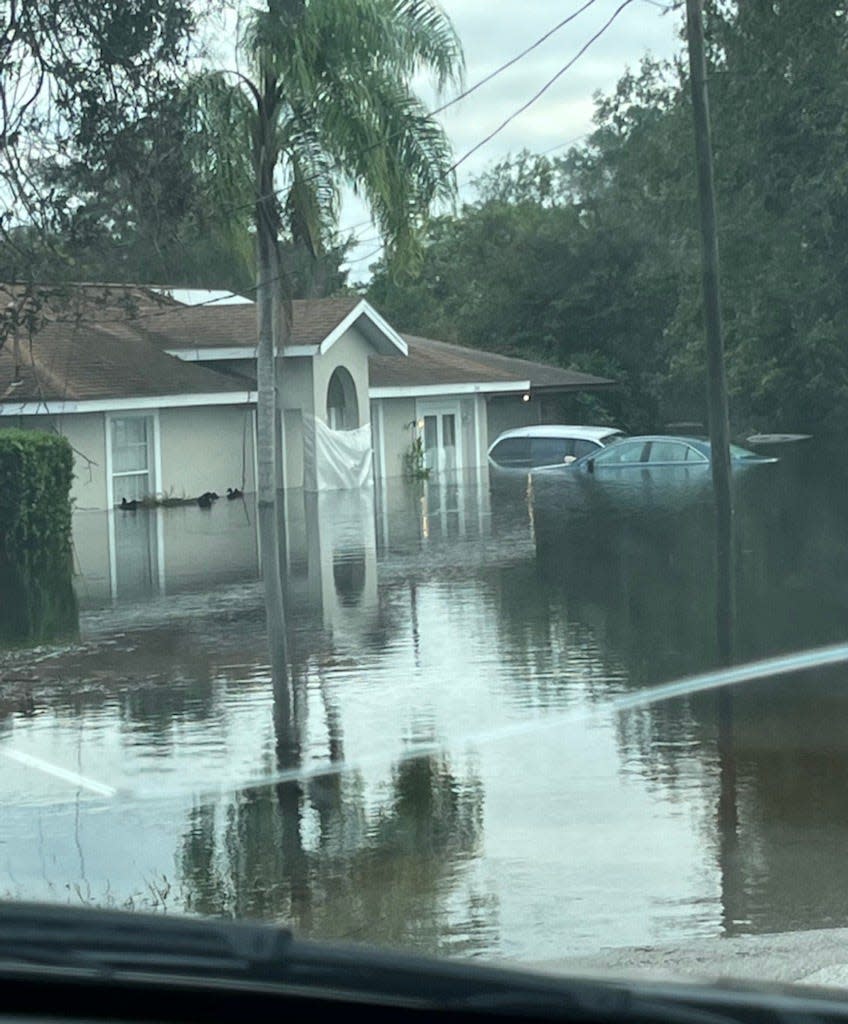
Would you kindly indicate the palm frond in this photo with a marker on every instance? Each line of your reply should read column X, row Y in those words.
column 311, row 203
column 430, row 34
column 336, row 77
column 385, row 144
column 224, row 115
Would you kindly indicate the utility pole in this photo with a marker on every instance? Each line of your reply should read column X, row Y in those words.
column 728, row 815
column 716, row 376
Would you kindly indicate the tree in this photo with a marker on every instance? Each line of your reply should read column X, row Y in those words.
column 556, row 261
column 326, row 98
column 74, row 76
column 591, row 259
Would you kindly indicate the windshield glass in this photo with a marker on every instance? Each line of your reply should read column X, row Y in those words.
column 278, row 638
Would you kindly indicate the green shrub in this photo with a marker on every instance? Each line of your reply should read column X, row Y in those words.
column 36, row 593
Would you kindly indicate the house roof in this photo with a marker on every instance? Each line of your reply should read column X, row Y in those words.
column 84, row 301
column 106, row 360
column 433, row 362
column 99, row 343
column 234, row 326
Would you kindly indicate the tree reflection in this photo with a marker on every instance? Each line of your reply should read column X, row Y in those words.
column 37, row 603
column 641, row 572
column 326, row 858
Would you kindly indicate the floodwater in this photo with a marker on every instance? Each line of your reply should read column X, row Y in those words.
column 489, row 628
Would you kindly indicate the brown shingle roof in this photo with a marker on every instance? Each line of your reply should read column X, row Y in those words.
column 235, row 326
column 98, row 361
column 108, row 342
column 437, row 362
column 90, row 302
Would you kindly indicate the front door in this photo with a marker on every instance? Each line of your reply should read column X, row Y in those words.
column 440, row 424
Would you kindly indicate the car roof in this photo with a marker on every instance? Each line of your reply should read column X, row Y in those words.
column 579, row 433
column 686, row 439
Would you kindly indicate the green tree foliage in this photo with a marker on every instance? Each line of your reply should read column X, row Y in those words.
column 36, row 596
column 112, row 174
column 80, row 81
column 330, row 84
column 592, row 259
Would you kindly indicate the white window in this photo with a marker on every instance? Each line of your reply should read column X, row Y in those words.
column 131, row 446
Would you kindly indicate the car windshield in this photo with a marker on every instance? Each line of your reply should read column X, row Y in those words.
column 279, row 638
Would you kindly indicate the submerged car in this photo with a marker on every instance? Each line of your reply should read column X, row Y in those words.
column 653, row 451
column 524, row 448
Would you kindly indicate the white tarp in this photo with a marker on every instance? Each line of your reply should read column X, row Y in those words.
column 336, row 460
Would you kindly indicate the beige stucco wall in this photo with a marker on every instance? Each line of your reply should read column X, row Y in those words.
column 351, row 351
column 87, row 434
column 474, row 439
column 206, row 449
column 397, row 413
column 295, row 389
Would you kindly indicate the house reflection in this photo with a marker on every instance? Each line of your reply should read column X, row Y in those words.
column 333, row 541
column 128, row 557
column 414, row 515
column 332, row 559
column 333, row 866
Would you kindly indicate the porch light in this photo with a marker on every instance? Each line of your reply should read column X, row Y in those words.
column 525, row 397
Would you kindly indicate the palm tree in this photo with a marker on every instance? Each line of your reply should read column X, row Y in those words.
column 326, row 99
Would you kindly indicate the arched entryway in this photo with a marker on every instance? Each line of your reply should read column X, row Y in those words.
column 342, row 404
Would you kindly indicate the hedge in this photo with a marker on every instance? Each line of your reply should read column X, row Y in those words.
column 36, row 592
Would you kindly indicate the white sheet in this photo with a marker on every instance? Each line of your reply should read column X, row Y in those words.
column 336, row 459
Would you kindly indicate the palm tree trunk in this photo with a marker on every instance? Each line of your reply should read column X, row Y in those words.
column 267, row 288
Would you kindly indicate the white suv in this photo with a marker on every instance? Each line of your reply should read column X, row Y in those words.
column 526, row 448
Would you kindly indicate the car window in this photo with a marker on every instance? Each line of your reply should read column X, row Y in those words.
column 582, row 448
column 549, row 451
column 512, row 451
column 621, row 454
column 667, row 451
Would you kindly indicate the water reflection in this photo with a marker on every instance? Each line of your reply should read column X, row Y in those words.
column 37, row 602
column 127, row 557
column 437, row 613
column 326, row 862
column 636, row 560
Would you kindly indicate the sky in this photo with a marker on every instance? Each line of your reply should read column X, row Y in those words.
column 493, row 31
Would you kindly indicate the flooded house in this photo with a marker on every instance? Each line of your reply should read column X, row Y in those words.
column 156, row 391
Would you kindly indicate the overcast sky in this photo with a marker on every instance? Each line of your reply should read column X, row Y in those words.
column 493, row 31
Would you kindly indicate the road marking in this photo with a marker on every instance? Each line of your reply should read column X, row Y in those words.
column 100, row 788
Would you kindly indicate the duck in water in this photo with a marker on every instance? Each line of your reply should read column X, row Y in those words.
column 128, row 506
column 234, row 492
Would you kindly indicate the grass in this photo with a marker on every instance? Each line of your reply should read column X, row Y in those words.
column 154, row 897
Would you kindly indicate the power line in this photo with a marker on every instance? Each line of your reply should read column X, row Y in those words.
column 455, row 99
column 537, row 95
column 543, row 90
column 488, row 138
column 562, row 145
column 513, row 60
column 367, row 256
